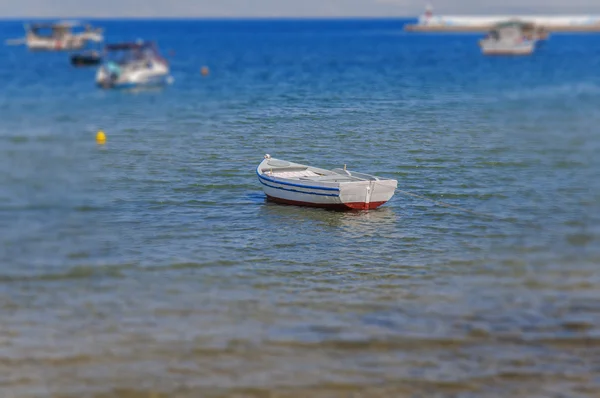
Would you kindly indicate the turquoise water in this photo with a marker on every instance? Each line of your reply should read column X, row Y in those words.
column 152, row 266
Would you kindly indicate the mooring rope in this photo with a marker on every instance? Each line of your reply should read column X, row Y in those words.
column 440, row 203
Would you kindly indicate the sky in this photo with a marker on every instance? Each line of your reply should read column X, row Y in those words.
column 285, row 8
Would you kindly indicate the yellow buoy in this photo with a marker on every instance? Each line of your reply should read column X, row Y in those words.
column 204, row 71
column 100, row 137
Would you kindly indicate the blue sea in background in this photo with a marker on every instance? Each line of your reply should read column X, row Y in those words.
column 152, row 266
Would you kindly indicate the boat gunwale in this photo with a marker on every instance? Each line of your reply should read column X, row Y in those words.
column 297, row 183
column 262, row 176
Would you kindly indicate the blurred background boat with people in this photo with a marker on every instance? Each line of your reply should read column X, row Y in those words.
column 60, row 36
column 508, row 38
column 135, row 64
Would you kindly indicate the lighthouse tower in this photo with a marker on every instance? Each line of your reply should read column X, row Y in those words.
column 428, row 14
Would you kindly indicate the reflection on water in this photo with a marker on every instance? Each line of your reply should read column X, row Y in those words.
column 364, row 221
column 144, row 89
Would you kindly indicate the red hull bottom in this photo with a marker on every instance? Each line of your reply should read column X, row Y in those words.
column 337, row 206
column 507, row 53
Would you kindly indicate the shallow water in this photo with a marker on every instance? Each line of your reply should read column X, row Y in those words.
column 152, row 266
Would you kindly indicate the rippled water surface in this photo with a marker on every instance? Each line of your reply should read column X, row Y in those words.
column 153, row 267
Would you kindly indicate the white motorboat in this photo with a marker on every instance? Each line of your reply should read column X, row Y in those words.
column 60, row 36
column 129, row 65
column 509, row 39
column 296, row 184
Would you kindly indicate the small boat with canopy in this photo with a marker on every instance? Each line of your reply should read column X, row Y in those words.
column 129, row 65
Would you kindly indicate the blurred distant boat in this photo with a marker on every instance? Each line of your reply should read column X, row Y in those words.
column 88, row 58
column 60, row 36
column 296, row 184
column 541, row 34
column 128, row 65
column 429, row 22
column 508, row 38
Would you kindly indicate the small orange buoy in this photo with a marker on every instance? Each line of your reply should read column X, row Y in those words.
column 204, row 71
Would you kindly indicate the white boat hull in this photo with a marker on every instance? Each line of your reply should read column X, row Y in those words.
column 154, row 74
column 495, row 48
column 64, row 43
column 67, row 44
column 338, row 195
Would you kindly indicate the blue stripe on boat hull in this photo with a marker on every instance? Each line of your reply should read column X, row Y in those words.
column 297, row 191
column 260, row 176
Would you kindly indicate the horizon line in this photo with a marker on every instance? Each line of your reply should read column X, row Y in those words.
column 66, row 18
column 267, row 17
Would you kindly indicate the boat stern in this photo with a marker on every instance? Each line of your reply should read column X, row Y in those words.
column 111, row 75
column 367, row 195
column 102, row 77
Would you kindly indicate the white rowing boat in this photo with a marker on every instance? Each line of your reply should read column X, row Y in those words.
column 296, row 184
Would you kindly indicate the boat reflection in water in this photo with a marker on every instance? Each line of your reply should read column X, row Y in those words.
column 372, row 221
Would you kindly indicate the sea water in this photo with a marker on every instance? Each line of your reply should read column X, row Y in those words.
column 152, row 266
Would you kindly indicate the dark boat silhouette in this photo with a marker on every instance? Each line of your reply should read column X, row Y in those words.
column 87, row 58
